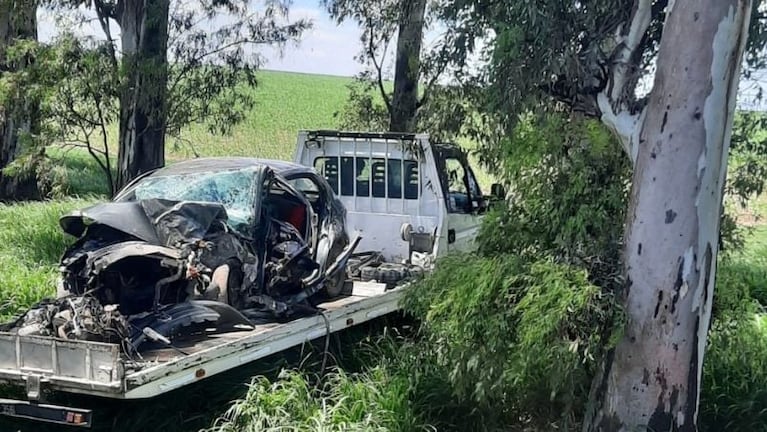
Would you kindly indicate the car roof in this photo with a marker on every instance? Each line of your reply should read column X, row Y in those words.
column 283, row 168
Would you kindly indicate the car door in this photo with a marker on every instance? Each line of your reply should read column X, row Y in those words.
column 463, row 198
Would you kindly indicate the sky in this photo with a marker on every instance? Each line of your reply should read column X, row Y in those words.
column 327, row 48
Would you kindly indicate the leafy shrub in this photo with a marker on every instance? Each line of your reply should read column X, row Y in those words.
column 570, row 180
column 522, row 335
column 569, row 190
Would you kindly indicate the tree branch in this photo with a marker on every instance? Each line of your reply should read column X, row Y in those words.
column 379, row 67
column 615, row 101
column 441, row 66
column 193, row 63
column 104, row 12
column 627, row 43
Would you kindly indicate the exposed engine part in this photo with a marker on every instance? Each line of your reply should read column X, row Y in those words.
column 76, row 318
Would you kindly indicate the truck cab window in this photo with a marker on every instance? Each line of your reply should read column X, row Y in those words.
column 374, row 177
column 327, row 167
column 458, row 189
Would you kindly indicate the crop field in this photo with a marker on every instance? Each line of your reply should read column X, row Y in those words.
column 285, row 103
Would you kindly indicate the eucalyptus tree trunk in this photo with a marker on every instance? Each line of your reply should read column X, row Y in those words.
column 18, row 20
column 404, row 104
column 651, row 380
column 144, row 34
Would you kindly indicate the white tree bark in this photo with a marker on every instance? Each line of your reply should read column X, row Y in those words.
column 651, row 381
column 614, row 100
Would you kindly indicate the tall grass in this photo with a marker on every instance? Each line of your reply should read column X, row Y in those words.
column 734, row 392
column 31, row 243
column 375, row 400
column 734, row 386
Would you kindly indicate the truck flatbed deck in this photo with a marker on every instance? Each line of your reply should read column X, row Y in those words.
column 94, row 368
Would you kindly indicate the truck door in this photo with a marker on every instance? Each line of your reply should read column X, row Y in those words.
column 463, row 198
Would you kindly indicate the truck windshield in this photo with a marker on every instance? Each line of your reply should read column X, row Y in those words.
column 234, row 189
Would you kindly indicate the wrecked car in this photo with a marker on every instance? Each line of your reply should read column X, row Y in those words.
column 214, row 244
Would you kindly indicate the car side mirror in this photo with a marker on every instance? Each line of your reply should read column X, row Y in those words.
column 497, row 191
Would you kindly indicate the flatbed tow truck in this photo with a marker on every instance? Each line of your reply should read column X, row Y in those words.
column 410, row 201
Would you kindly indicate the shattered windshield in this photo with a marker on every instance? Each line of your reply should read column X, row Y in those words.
column 235, row 190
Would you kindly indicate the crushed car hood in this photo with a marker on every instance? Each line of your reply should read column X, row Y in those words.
column 126, row 217
column 155, row 221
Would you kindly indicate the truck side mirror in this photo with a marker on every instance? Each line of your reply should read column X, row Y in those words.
column 497, row 191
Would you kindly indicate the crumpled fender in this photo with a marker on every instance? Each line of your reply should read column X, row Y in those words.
column 102, row 258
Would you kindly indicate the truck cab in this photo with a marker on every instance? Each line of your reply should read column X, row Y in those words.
column 408, row 198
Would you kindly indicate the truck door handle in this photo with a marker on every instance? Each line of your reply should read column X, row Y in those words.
column 450, row 236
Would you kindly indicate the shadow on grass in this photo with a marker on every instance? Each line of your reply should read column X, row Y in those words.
column 196, row 406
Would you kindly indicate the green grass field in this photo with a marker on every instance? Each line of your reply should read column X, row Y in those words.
column 285, row 103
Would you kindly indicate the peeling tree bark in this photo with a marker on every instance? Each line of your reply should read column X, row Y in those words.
column 18, row 20
column 144, row 33
column 615, row 100
column 404, row 103
column 651, row 380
